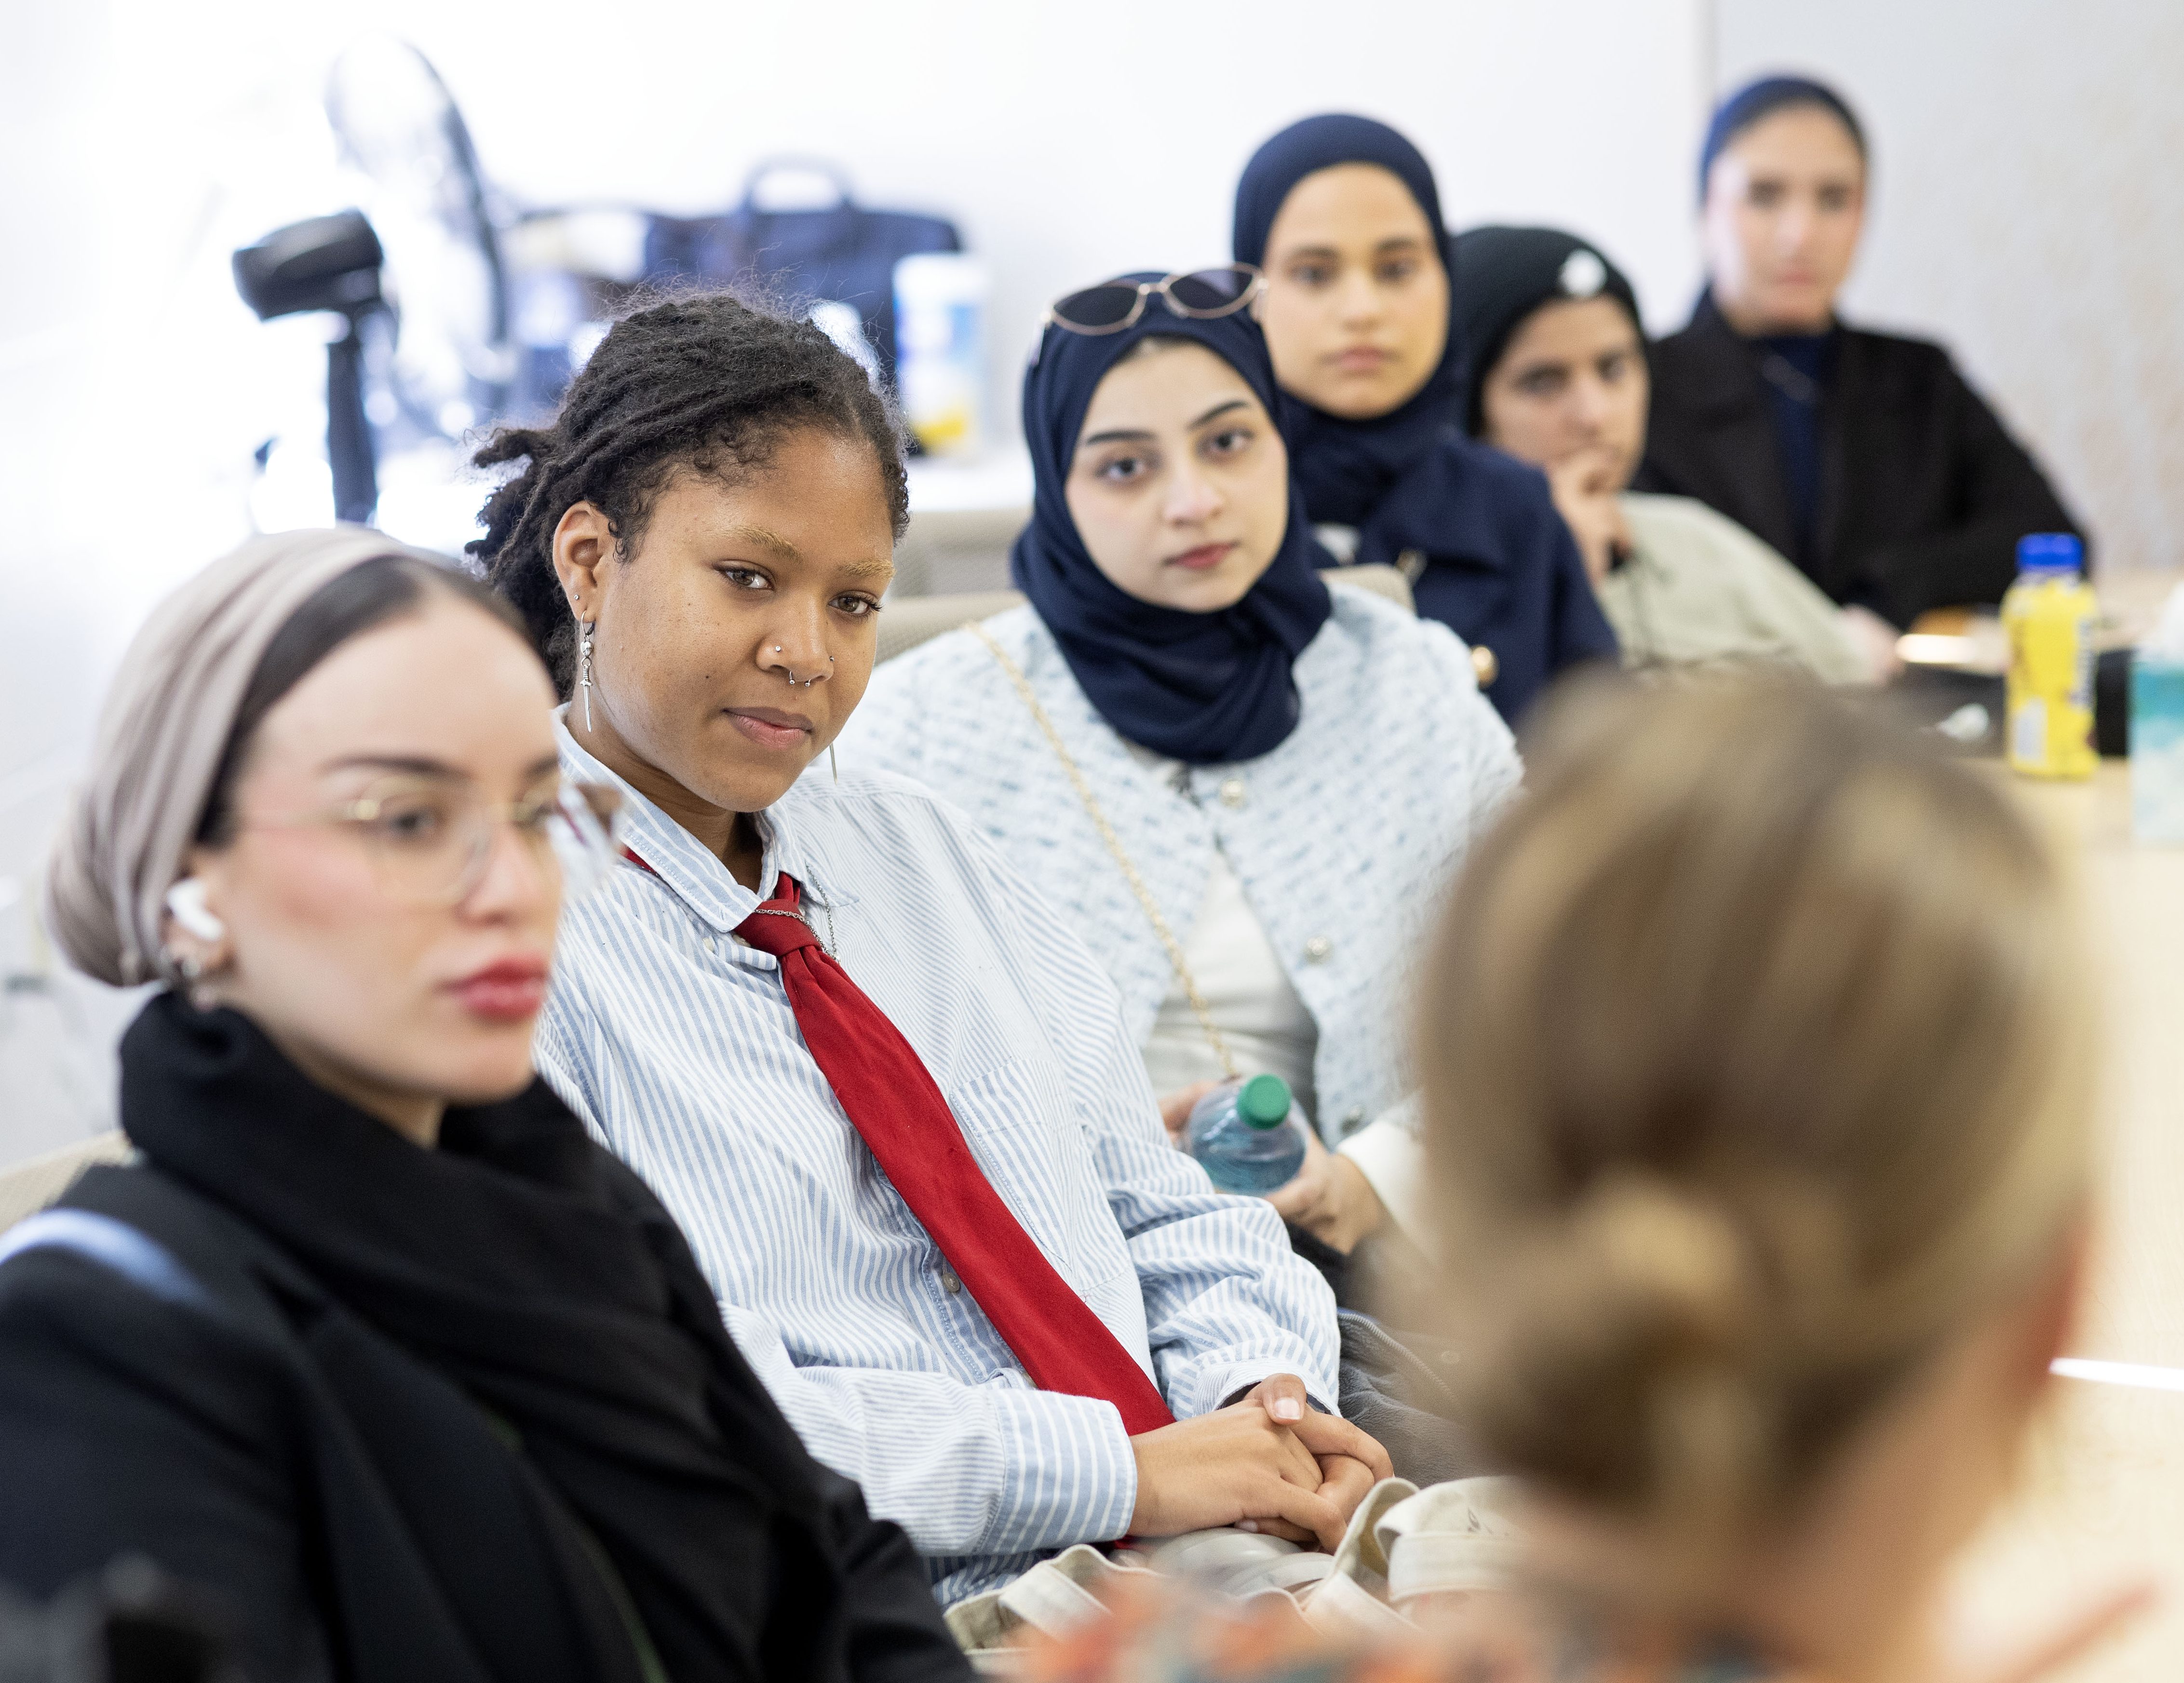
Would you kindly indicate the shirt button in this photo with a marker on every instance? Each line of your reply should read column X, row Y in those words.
column 707, row 943
column 1319, row 948
column 1232, row 791
column 1355, row 1115
column 948, row 1283
column 1485, row 666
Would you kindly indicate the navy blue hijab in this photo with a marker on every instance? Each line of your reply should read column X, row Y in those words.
column 1347, row 467
column 1763, row 98
column 1505, row 574
column 1206, row 688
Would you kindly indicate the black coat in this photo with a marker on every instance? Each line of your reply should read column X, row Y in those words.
column 176, row 1381
column 1923, row 494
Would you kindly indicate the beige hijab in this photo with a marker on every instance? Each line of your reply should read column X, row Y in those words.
column 165, row 725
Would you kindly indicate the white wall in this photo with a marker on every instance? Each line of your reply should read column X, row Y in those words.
column 2029, row 211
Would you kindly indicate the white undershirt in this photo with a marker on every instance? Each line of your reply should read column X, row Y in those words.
column 1248, row 994
column 1265, row 1025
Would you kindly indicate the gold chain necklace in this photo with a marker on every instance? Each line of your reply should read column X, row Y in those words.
column 1115, row 848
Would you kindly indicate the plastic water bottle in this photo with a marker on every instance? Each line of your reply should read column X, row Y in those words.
column 2157, row 729
column 940, row 349
column 1247, row 1135
column 2048, row 615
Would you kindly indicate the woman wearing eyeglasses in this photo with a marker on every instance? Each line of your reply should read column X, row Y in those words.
column 370, row 1343
column 1245, row 790
column 1342, row 214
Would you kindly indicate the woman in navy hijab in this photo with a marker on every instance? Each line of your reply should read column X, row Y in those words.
column 1234, row 782
column 1342, row 213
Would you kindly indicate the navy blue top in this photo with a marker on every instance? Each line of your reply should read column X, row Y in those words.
column 1207, row 688
column 1500, row 567
column 1796, row 367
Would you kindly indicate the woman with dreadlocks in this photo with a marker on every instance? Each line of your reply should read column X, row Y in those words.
column 886, row 1090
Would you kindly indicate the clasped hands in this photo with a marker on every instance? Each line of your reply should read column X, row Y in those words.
column 1268, row 1462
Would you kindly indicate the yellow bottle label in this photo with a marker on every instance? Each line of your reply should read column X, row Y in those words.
column 2050, row 687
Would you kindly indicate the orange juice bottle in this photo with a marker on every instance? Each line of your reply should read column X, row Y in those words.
column 2048, row 615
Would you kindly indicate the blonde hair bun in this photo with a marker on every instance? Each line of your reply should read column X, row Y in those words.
column 1756, row 1050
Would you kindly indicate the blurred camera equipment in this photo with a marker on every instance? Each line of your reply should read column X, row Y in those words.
column 416, row 272
column 327, row 263
column 450, row 362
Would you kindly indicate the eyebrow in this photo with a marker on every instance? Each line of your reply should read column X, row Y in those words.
column 765, row 539
column 1394, row 241
column 1119, row 434
column 870, row 568
column 421, row 766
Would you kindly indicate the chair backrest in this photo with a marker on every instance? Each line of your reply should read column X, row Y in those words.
column 910, row 621
column 27, row 1187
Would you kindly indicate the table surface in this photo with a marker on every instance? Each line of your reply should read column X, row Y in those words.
column 2103, row 1493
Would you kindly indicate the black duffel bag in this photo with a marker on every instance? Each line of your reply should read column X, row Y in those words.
column 842, row 252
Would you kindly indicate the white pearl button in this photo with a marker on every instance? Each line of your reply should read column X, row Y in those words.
column 1355, row 1115
column 1317, row 949
column 1232, row 792
column 948, row 1283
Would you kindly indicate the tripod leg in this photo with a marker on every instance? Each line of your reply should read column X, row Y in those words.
column 348, row 432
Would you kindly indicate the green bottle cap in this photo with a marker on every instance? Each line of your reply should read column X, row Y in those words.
column 1264, row 1101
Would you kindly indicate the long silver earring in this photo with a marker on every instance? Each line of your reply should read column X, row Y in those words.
column 584, row 666
column 834, row 765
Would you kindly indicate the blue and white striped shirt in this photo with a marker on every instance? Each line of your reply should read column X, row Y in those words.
column 677, row 1043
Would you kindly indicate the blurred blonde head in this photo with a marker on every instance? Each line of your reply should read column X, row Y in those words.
column 1757, row 1046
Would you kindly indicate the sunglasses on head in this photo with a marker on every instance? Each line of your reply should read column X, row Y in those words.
column 1201, row 293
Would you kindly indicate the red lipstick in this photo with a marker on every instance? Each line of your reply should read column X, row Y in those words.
column 509, row 991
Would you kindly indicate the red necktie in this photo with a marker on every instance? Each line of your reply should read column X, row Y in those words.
column 891, row 1100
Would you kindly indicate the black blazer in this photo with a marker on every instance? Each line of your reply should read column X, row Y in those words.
column 251, row 1434
column 1923, row 494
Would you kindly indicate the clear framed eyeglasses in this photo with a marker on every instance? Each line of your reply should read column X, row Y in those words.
column 430, row 837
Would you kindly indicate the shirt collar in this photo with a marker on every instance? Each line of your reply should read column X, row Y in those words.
column 692, row 873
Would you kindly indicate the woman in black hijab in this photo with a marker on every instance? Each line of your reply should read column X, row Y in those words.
column 1863, row 457
column 1342, row 213
column 372, row 1342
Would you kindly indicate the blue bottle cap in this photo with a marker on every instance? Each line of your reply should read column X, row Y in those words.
column 1264, row 1101
column 2049, row 552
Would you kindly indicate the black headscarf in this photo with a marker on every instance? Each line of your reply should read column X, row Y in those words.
column 1207, row 688
column 1504, row 573
column 525, row 1264
column 1500, row 275
column 1763, row 98
column 1346, row 468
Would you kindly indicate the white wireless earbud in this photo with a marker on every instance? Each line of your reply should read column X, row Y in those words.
column 186, row 901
